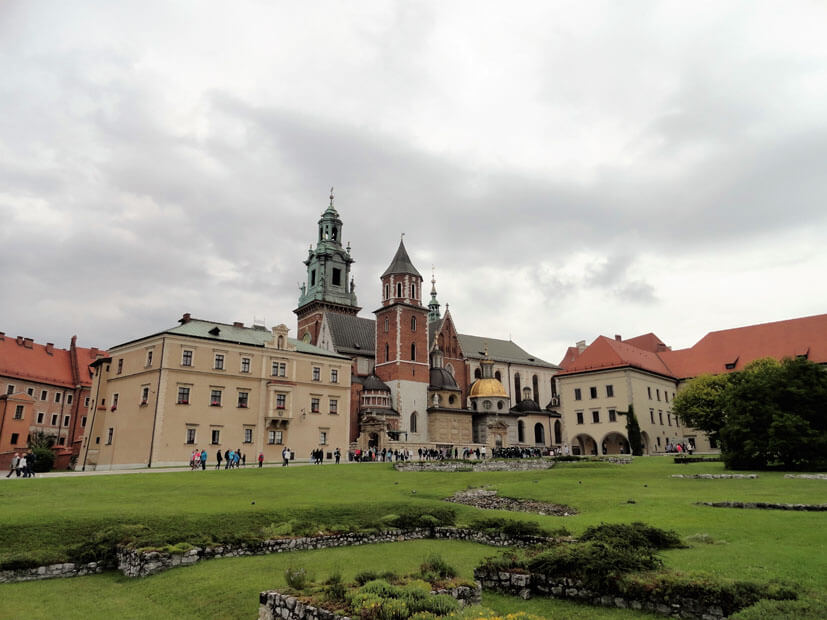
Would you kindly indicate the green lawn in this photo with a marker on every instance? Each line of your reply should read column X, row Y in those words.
column 43, row 518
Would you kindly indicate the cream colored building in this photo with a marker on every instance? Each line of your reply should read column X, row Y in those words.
column 219, row 387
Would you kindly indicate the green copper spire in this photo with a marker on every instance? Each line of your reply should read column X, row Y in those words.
column 433, row 305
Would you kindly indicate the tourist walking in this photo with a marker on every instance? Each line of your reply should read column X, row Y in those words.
column 218, row 459
column 21, row 465
column 338, row 454
column 13, row 465
column 285, row 455
column 260, row 459
column 203, row 458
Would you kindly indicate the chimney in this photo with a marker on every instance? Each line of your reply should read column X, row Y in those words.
column 28, row 342
column 618, row 338
column 581, row 346
column 2, row 336
column 185, row 319
column 20, row 341
column 238, row 324
column 50, row 347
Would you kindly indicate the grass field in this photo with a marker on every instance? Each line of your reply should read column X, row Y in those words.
column 44, row 518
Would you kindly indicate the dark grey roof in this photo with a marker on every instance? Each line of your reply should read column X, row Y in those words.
column 499, row 351
column 374, row 384
column 352, row 335
column 441, row 379
column 401, row 263
column 527, row 405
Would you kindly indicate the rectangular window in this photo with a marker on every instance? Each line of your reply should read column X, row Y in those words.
column 61, row 441
column 86, row 402
column 215, row 398
column 219, row 361
column 592, row 392
column 577, row 395
column 145, row 395
column 652, row 416
column 317, row 373
column 658, row 393
column 190, row 435
column 666, row 396
column 337, row 277
column 660, row 417
column 66, row 420
column 658, row 438
column 610, row 391
column 44, row 395
column 322, row 438
column 57, row 397
column 18, row 412
column 596, row 417
column 30, row 391
column 245, row 364
column 677, row 421
column 334, row 375
column 580, row 417
column 149, row 358
column 248, row 435
column 83, row 422
column 243, row 399
column 10, row 389
column 14, row 438
column 186, row 358
column 279, row 369
column 216, row 437
column 668, row 419
column 649, row 392
column 115, row 398
column 281, row 401
column 183, row 395
column 40, row 416
column 54, row 419
column 612, row 415
column 69, row 399
column 110, row 432
column 120, row 366
column 314, row 405
column 274, row 437
column 334, row 405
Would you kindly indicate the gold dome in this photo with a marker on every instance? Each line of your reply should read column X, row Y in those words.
column 487, row 387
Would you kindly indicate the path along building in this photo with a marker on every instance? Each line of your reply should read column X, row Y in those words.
column 416, row 381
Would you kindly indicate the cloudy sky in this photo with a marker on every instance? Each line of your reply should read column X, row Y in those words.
column 570, row 169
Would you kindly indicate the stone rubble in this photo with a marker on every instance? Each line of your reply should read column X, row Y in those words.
column 489, row 500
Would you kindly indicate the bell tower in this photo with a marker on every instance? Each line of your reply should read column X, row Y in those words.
column 402, row 338
column 329, row 286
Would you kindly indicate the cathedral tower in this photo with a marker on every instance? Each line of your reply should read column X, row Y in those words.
column 329, row 286
column 402, row 343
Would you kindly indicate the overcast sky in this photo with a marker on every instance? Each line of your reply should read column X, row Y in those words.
column 570, row 169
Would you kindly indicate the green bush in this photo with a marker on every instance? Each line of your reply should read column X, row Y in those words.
column 44, row 458
column 516, row 529
column 364, row 576
column 296, row 578
column 394, row 609
column 335, row 590
column 434, row 567
column 276, row 530
column 633, row 535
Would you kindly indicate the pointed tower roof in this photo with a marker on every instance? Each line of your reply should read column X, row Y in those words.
column 401, row 263
column 433, row 305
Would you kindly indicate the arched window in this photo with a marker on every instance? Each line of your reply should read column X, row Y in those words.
column 450, row 368
column 520, row 432
column 387, row 324
column 498, row 376
column 413, row 422
column 536, row 385
column 477, row 373
column 558, row 432
column 399, row 289
column 413, row 351
column 413, row 323
column 517, row 385
column 335, row 233
column 387, row 352
column 539, row 434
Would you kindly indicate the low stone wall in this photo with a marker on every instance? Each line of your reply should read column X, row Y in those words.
column 276, row 606
column 716, row 476
column 134, row 563
column 490, row 465
column 525, row 585
column 52, row 571
column 807, row 476
column 766, row 506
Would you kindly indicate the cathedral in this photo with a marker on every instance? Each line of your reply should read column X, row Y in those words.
column 416, row 382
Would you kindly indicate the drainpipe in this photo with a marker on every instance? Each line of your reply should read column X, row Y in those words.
column 157, row 400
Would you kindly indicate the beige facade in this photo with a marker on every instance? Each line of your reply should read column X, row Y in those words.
column 590, row 403
column 218, row 387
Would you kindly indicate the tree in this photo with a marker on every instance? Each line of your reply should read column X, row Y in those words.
column 633, row 431
column 40, row 445
column 768, row 413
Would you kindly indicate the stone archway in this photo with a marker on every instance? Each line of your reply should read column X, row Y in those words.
column 539, row 434
column 645, row 443
column 558, row 432
column 615, row 443
column 584, row 445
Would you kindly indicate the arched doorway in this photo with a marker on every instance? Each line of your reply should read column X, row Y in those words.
column 520, row 431
column 539, row 434
column 644, row 441
column 373, row 440
column 584, row 445
column 615, row 443
column 558, row 432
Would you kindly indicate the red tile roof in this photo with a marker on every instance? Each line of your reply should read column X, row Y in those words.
column 21, row 358
column 711, row 354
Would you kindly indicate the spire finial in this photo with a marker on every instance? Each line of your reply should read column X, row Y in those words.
column 401, row 236
column 331, row 195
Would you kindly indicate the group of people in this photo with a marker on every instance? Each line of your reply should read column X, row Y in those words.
column 515, row 452
column 374, row 455
column 22, row 466
column 317, row 456
column 681, row 448
column 231, row 459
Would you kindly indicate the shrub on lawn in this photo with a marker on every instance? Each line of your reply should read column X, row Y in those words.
column 364, row 576
column 516, row 529
column 296, row 578
column 414, row 517
column 632, row 535
column 434, row 567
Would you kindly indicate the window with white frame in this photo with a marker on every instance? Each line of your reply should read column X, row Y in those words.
column 323, row 437
column 281, row 401
column 248, row 435
column 40, row 416
column 110, row 433
column 18, row 412
column 69, row 399
column 334, row 405
column 66, row 420
column 10, row 389
column 186, row 357
column 215, row 398
column 183, row 395
column 317, row 373
column 274, row 437
column 149, row 358
column 57, row 397
column 190, row 435
column 334, row 375
column 219, row 361
column 245, row 364
column 243, row 399
column 215, row 436
column 44, row 395
column 144, row 394
column 314, row 405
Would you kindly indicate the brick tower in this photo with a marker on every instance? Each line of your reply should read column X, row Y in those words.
column 402, row 344
column 329, row 286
